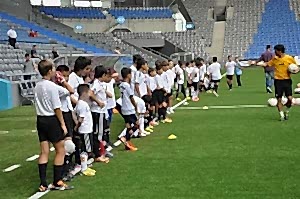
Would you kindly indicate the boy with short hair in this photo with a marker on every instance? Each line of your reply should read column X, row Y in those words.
column 215, row 76
column 195, row 76
column 99, row 112
column 128, row 109
column 189, row 70
column 150, row 81
column 141, row 88
column 203, row 72
column 229, row 66
column 51, row 126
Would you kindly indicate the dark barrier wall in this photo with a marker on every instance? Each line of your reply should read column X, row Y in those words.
column 19, row 8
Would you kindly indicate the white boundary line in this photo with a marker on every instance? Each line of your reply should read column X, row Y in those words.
column 38, row 195
column 4, row 132
column 223, row 107
column 11, row 168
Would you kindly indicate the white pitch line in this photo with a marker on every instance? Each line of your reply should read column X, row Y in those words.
column 178, row 104
column 38, row 195
column 223, row 107
column 11, row 168
column 32, row 158
column 4, row 132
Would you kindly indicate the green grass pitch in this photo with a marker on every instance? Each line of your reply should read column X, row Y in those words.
column 219, row 153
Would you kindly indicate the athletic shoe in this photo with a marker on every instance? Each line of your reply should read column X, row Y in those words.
column 282, row 119
column 109, row 154
column 178, row 99
column 43, row 188
column 188, row 98
column 61, row 186
column 286, row 115
column 146, row 132
column 153, row 123
column 168, row 120
column 76, row 170
column 68, row 177
column 149, row 129
column 143, row 134
column 209, row 91
column 185, row 103
column 130, row 146
column 150, row 126
column 102, row 159
column 89, row 172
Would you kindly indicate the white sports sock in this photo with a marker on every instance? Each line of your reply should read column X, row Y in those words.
column 83, row 158
column 142, row 124
column 281, row 114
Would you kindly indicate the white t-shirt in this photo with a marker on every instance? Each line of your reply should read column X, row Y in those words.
column 158, row 81
column 230, row 68
column 215, row 70
column 189, row 71
column 141, row 106
column 74, row 82
column 133, row 71
column 83, row 110
column 180, row 78
column 140, row 79
column 165, row 81
column 12, row 33
column 66, row 104
column 99, row 88
column 150, row 81
column 177, row 68
column 202, row 72
column 171, row 76
column 47, row 97
column 111, row 102
column 196, row 74
column 126, row 93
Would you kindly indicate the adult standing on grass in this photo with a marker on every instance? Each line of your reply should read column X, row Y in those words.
column 282, row 76
column 50, row 125
column 269, row 70
column 230, row 66
column 12, row 37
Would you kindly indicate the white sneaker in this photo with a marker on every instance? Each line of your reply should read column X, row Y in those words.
column 185, row 103
column 146, row 133
column 143, row 134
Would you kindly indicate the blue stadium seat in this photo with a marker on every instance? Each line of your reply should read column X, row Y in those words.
column 50, row 34
column 141, row 13
column 278, row 26
column 63, row 12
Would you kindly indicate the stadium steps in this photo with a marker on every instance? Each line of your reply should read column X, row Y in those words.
column 54, row 35
column 218, row 38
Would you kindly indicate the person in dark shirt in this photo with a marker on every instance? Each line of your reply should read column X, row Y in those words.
column 269, row 71
column 54, row 53
column 33, row 52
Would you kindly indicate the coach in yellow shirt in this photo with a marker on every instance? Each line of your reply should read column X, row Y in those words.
column 282, row 78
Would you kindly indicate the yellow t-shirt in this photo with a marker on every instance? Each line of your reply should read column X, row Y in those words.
column 281, row 65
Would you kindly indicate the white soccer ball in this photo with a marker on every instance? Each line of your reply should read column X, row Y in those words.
column 296, row 101
column 293, row 68
column 272, row 101
column 69, row 147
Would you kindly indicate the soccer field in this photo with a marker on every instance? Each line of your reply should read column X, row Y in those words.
column 219, row 153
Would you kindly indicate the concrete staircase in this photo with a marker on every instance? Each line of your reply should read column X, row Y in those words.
column 217, row 46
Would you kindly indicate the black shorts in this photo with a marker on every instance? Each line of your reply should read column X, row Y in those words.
column 188, row 85
column 146, row 99
column 100, row 124
column 49, row 129
column 230, row 77
column 283, row 87
column 195, row 85
column 158, row 96
column 215, row 81
column 130, row 119
column 69, row 123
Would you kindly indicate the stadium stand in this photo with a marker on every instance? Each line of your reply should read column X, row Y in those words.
column 73, row 12
column 141, row 13
column 278, row 25
column 241, row 28
column 53, row 35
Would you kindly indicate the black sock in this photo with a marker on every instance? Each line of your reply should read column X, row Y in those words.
column 230, row 86
column 128, row 136
column 43, row 172
column 164, row 112
column 57, row 171
column 160, row 113
column 67, row 163
column 216, row 88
